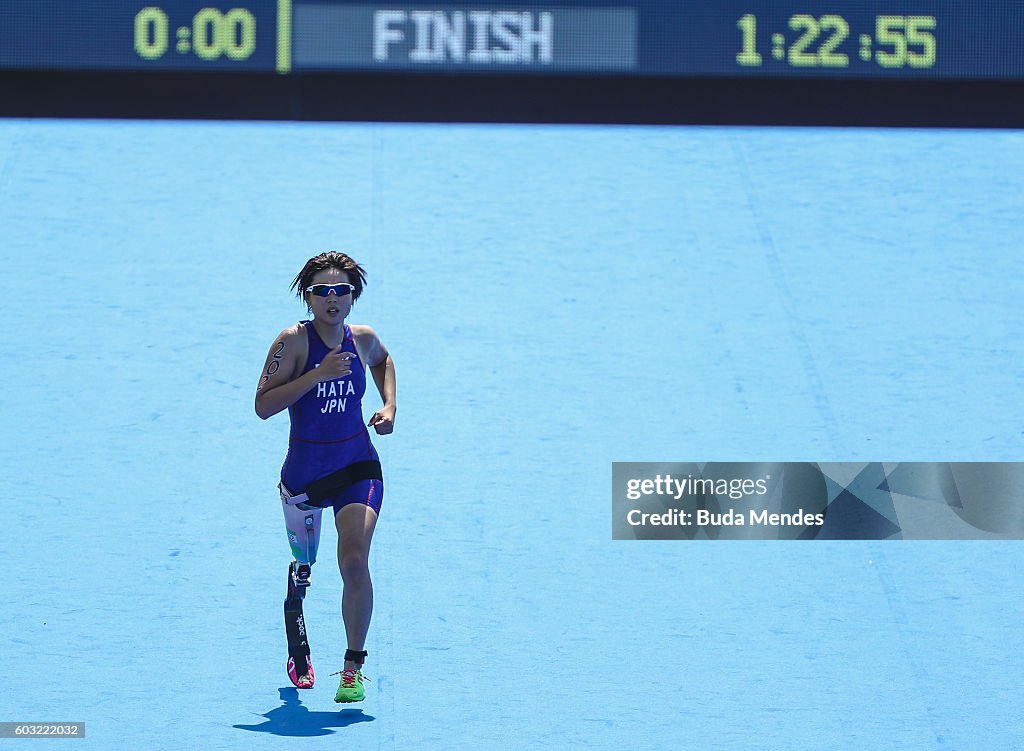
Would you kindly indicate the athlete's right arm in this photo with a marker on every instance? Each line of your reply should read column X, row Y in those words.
column 279, row 388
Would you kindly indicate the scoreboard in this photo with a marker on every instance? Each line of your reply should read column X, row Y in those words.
column 838, row 39
column 947, row 63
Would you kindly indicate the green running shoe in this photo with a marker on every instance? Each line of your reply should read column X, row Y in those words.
column 351, row 688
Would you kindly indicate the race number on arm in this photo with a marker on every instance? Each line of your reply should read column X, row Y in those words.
column 280, row 369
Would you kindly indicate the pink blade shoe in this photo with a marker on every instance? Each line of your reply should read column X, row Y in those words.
column 305, row 681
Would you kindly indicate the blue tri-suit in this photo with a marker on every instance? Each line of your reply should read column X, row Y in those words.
column 327, row 434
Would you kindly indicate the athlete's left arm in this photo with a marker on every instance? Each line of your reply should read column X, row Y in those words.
column 382, row 367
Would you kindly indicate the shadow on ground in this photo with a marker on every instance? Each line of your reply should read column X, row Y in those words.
column 293, row 719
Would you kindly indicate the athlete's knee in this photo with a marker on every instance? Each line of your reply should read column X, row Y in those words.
column 355, row 568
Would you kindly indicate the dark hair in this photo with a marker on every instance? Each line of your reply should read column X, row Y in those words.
column 330, row 260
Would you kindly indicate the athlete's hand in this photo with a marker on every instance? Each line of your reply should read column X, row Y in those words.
column 383, row 420
column 335, row 365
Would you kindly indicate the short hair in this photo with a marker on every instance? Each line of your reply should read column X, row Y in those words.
column 330, row 260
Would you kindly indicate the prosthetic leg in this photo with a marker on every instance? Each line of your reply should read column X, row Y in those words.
column 303, row 525
column 300, row 667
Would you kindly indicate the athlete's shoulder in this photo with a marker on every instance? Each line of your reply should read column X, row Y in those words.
column 292, row 332
column 361, row 330
column 369, row 343
column 292, row 343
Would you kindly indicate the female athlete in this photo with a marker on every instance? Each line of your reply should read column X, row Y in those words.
column 315, row 369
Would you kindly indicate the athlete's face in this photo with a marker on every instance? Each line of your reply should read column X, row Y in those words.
column 332, row 309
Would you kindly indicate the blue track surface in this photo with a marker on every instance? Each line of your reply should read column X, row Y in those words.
column 555, row 299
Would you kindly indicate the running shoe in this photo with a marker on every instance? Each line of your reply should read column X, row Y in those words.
column 351, row 688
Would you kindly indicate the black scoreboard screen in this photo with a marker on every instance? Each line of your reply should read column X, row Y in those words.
column 749, row 40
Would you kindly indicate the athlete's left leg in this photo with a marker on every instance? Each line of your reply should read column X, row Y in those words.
column 355, row 523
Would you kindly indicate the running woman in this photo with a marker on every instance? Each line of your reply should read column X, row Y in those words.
column 315, row 369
